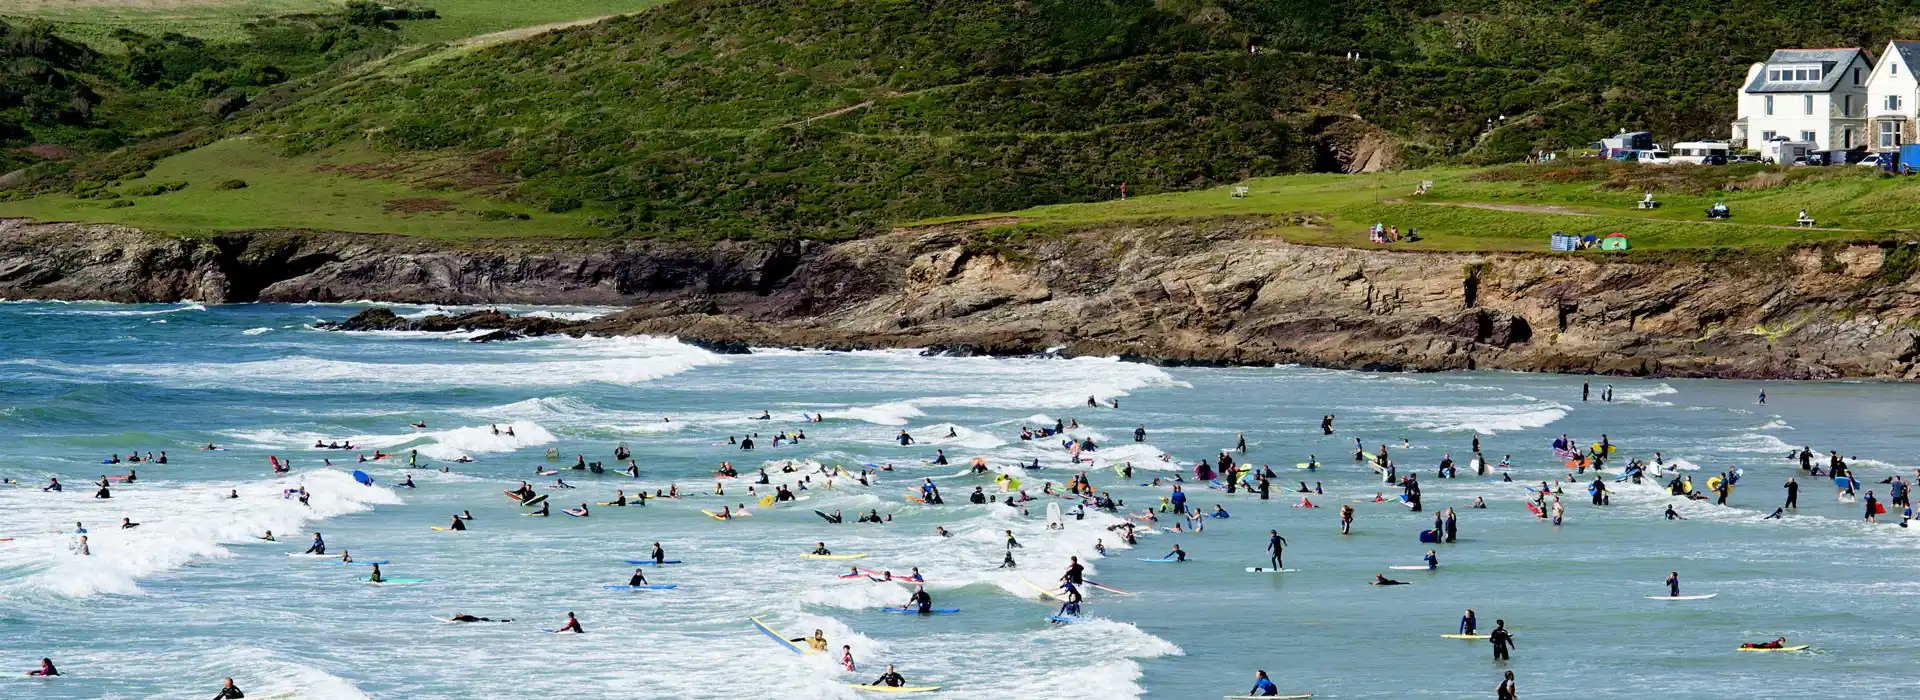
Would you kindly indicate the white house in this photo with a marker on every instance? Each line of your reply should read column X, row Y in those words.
column 1891, row 95
column 1817, row 96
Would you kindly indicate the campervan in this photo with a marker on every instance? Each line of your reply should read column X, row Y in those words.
column 1785, row 152
column 1700, row 152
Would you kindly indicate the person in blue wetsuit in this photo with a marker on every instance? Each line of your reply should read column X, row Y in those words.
column 1263, row 686
column 319, row 545
column 1177, row 554
column 1432, row 559
column 1070, row 608
column 1179, row 499
column 1469, row 623
column 1275, row 544
column 1673, row 584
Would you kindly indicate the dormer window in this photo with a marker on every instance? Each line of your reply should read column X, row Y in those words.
column 1795, row 74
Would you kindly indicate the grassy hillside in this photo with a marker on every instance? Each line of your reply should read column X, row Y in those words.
column 832, row 119
column 1518, row 207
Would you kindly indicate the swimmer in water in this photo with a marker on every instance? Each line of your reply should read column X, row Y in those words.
column 1379, row 580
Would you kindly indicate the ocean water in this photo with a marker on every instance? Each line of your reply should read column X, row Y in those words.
column 170, row 608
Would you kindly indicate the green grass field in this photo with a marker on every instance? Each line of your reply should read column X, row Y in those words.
column 291, row 193
column 91, row 21
column 1469, row 210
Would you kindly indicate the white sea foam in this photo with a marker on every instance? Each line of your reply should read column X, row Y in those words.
column 196, row 522
column 628, row 360
column 256, row 331
column 1518, row 412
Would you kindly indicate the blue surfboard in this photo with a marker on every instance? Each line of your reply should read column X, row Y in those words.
column 362, row 477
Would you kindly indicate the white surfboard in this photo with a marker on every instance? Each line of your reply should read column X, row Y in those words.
column 1681, row 597
column 1054, row 519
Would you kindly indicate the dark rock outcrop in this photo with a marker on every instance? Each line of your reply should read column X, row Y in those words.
column 1216, row 292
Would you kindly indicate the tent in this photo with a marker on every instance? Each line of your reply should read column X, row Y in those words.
column 1614, row 241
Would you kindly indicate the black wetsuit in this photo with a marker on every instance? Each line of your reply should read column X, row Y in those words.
column 1501, row 641
column 1793, row 495
column 923, row 602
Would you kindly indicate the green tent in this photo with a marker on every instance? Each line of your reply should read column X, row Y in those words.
column 1614, row 241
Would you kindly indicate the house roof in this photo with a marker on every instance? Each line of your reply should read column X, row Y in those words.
column 1831, row 60
column 1909, row 52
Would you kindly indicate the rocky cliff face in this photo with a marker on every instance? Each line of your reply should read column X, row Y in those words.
column 1215, row 292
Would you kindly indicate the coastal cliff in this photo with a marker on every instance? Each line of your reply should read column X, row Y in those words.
column 1219, row 291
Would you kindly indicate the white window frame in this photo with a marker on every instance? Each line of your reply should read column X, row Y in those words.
column 1889, row 134
column 1769, row 104
column 1809, row 137
column 1808, row 103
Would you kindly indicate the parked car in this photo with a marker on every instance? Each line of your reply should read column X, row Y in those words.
column 1874, row 160
column 1743, row 158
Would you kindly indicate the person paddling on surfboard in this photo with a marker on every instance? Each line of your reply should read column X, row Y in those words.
column 1380, row 580
column 891, row 678
column 1775, row 644
column 1263, row 686
column 1177, row 554
column 638, row 579
column 573, row 625
column 463, row 617
column 458, row 524
column 820, row 549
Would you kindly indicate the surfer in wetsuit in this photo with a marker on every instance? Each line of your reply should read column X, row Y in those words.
column 1501, row 639
column 639, row 578
column 543, row 512
column 1673, row 584
column 376, row 577
column 46, row 669
column 319, row 545
column 1263, row 686
column 1076, row 573
column 658, row 555
column 817, row 642
column 573, row 625
column 1775, row 644
column 922, row 602
column 1673, row 515
column 1432, row 559
column 1072, row 598
column 891, row 678
column 1275, row 544
column 229, row 691
column 463, row 617
column 1469, row 623
column 1177, row 554
column 458, row 524
column 1380, row 580
column 820, row 549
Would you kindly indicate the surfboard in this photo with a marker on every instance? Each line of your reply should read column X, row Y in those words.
column 442, row 528
column 1422, row 567
column 893, row 689
column 1802, row 647
column 1161, row 561
column 1108, row 589
column 1845, row 482
column 1466, row 636
column 575, row 512
column 1282, row 696
column 715, row 516
column 1054, row 519
column 362, row 477
column 1259, row 570
column 536, row 500
column 916, row 611
column 833, row 556
column 652, row 587
column 1062, row 619
column 649, row 562
column 1681, row 597
column 370, row 562
column 778, row 638
column 765, row 501
column 1120, row 471
column 1044, row 592
column 395, row 582
column 304, row 555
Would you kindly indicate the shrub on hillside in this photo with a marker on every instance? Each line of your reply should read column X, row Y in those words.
column 157, row 188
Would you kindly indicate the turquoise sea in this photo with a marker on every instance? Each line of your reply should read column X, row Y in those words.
column 168, row 609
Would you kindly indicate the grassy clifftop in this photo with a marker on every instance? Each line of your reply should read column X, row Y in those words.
column 833, row 119
column 830, row 118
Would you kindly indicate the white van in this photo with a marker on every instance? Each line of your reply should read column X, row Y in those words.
column 1786, row 152
column 1699, row 152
